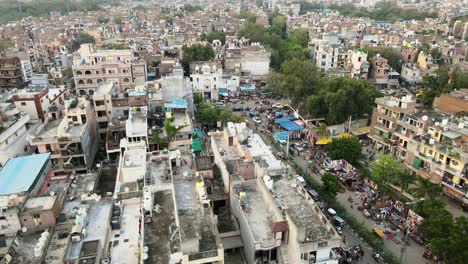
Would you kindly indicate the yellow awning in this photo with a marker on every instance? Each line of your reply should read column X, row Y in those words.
column 361, row 131
column 344, row 135
column 323, row 141
column 379, row 232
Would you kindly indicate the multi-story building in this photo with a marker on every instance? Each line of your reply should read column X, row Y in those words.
column 431, row 144
column 103, row 107
column 326, row 56
column 39, row 102
column 278, row 220
column 411, row 74
column 207, row 79
column 425, row 63
column 93, row 67
column 382, row 74
column 358, row 64
column 387, row 114
column 73, row 140
column 11, row 73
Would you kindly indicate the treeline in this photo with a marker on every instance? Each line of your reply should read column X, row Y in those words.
column 11, row 10
column 386, row 10
column 283, row 45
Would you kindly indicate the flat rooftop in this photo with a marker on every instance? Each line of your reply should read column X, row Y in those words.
column 57, row 249
column 303, row 213
column 105, row 88
column 182, row 120
column 259, row 149
column 40, row 203
column 49, row 130
column 98, row 222
column 195, row 224
column 257, row 214
column 125, row 244
column 228, row 152
column 134, row 158
column 158, row 232
column 21, row 173
column 25, row 252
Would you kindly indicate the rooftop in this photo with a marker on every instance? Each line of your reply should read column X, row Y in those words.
column 125, row 244
column 195, row 222
column 303, row 213
column 24, row 253
column 97, row 229
column 40, row 203
column 258, row 215
column 105, row 88
column 21, row 173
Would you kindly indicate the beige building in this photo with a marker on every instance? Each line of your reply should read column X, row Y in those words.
column 72, row 140
column 93, row 67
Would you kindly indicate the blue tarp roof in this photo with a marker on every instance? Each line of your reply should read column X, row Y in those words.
column 283, row 135
column 151, row 74
column 199, row 132
column 290, row 125
column 177, row 103
column 223, row 91
column 247, row 87
column 19, row 174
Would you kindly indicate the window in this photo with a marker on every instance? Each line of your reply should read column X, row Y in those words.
column 74, row 118
column 79, row 72
column 89, row 81
column 23, row 103
column 87, row 72
column 126, row 79
column 99, row 80
column 3, row 217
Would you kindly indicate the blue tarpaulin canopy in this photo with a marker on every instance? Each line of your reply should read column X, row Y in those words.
column 290, row 125
column 223, row 91
column 177, row 103
column 283, row 135
column 199, row 132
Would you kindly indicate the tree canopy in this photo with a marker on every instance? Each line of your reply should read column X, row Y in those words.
column 444, row 81
column 385, row 10
column 347, row 148
column 197, row 52
column 11, row 10
column 216, row 35
column 330, row 187
column 82, row 38
column 208, row 114
column 393, row 56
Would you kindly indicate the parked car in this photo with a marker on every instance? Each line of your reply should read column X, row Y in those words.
column 277, row 106
column 257, row 120
column 237, row 108
column 299, row 147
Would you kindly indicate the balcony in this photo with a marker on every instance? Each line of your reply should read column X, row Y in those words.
column 458, row 188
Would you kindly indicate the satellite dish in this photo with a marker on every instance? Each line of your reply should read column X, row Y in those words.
column 24, row 229
column 145, row 256
column 52, row 193
column 127, row 189
column 98, row 165
column 145, row 249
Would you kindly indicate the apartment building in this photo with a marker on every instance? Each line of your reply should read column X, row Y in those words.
column 426, row 64
column 411, row 74
column 278, row 220
column 386, row 116
column 177, row 223
column 326, row 56
column 358, row 64
column 72, row 140
column 382, row 74
column 11, row 73
column 93, row 67
column 432, row 144
column 39, row 102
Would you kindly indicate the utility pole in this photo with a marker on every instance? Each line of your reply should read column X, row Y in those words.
column 405, row 239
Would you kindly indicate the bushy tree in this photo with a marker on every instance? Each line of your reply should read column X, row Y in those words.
column 386, row 170
column 82, row 38
column 347, row 148
column 393, row 56
column 197, row 52
column 330, row 186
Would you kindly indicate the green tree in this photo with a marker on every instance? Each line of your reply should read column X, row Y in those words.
column 393, row 56
column 216, row 35
column 82, row 38
column 330, row 186
column 426, row 189
column 322, row 130
column 300, row 78
column 191, row 8
column 274, row 83
column 404, row 180
column 339, row 98
column 347, row 148
column 197, row 52
column 386, row 170
column 300, row 36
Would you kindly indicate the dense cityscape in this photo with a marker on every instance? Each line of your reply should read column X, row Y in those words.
column 233, row 131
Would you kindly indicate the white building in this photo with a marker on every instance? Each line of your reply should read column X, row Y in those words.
column 206, row 79
column 326, row 56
